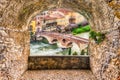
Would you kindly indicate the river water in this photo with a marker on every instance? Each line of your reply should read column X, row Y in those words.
column 43, row 48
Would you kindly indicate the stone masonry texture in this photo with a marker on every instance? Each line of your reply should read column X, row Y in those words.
column 15, row 16
column 58, row 62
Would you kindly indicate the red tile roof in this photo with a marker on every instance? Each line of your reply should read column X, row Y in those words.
column 64, row 11
column 57, row 15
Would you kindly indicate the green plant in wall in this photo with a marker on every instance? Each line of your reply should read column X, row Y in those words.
column 97, row 36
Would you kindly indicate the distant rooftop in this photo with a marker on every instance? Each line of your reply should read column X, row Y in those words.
column 53, row 14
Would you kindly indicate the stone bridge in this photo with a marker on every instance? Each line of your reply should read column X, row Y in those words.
column 65, row 40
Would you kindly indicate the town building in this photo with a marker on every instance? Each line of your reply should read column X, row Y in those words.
column 49, row 20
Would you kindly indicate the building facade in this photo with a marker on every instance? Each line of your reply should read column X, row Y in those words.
column 49, row 20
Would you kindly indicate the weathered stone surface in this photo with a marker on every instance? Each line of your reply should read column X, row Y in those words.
column 13, row 59
column 58, row 75
column 58, row 62
column 103, row 16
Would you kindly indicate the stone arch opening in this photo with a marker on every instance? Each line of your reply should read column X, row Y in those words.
column 70, row 24
column 103, row 16
column 91, row 17
column 58, row 24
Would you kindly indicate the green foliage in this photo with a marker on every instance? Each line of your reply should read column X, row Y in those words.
column 69, row 51
column 83, row 52
column 98, row 37
column 79, row 25
column 81, row 29
column 31, row 33
column 86, row 50
column 75, row 53
column 44, row 40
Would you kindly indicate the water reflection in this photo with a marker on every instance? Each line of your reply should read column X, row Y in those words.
column 44, row 48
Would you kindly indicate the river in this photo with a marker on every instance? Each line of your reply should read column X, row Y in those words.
column 43, row 48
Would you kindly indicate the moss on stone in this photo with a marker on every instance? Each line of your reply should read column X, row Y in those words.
column 117, row 14
column 115, row 6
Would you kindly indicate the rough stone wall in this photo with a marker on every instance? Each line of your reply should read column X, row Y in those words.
column 14, row 51
column 105, row 57
column 58, row 62
column 103, row 16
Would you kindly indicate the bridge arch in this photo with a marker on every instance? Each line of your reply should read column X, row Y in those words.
column 55, row 40
column 70, row 44
column 50, row 39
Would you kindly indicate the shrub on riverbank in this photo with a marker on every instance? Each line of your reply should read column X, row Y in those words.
column 81, row 29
